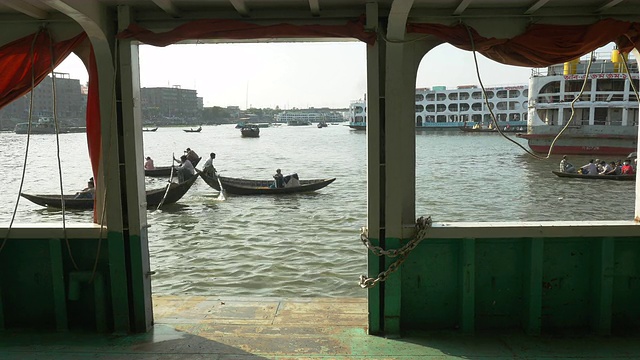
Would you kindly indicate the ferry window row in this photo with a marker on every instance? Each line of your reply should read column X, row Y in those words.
column 486, row 118
column 476, row 95
column 601, row 85
column 503, row 105
column 582, row 116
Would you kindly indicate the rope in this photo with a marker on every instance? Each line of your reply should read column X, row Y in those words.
column 493, row 117
column 26, row 155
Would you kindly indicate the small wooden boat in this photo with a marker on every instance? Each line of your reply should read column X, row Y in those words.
column 193, row 130
column 595, row 177
column 250, row 131
column 154, row 197
column 154, row 129
column 162, row 171
column 261, row 187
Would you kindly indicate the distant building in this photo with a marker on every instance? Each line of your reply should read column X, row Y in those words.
column 170, row 102
column 71, row 103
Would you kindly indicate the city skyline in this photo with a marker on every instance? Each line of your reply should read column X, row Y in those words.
column 295, row 75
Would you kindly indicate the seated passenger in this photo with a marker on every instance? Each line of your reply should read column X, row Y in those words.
column 613, row 169
column 88, row 192
column 606, row 168
column 148, row 164
column 589, row 169
column 566, row 166
column 627, row 169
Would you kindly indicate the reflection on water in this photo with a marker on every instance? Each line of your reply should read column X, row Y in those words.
column 307, row 244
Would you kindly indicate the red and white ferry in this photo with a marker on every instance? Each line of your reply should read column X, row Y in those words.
column 605, row 120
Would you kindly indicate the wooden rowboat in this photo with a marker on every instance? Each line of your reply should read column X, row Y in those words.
column 595, row 177
column 154, row 197
column 193, row 130
column 162, row 171
column 238, row 186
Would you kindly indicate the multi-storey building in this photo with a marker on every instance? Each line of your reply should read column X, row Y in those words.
column 70, row 101
column 170, row 102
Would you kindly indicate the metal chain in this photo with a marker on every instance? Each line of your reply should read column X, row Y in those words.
column 422, row 225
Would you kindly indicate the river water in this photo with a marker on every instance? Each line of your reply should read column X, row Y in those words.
column 305, row 244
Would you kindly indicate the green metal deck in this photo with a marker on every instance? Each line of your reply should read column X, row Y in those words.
column 308, row 328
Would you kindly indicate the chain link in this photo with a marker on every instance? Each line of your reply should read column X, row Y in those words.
column 422, row 225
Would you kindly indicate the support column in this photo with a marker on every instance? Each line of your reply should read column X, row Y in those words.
column 99, row 26
column 391, row 77
column 375, row 164
column 636, row 54
column 133, row 177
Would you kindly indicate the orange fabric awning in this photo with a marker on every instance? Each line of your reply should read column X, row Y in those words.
column 540, row 45
column 241, row 30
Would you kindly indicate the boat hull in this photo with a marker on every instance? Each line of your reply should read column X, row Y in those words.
column 237, row 186
column 153, row 197
column 250, row 131
column 519, row 129
column 582, row 145
column 163, row 171
column 595, row 177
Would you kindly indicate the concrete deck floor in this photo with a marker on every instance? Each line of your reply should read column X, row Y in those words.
column 308, row 328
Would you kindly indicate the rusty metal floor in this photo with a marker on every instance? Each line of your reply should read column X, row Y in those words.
column 309, row 328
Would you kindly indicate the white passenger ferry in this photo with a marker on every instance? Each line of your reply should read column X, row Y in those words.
column 307, row 117
column 439, row 108
column 606, row 114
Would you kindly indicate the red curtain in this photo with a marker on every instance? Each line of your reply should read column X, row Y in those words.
column 18, row 58
column 540, row 45
column 240, row 30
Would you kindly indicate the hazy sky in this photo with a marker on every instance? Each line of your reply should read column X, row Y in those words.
column 292, row 75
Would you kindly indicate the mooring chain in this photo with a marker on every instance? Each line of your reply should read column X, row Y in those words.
column 422, row 225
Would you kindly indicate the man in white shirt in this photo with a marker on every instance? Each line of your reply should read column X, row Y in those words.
column 566, row 166
column 186, row 169
column 590, row 168
column 208, row 168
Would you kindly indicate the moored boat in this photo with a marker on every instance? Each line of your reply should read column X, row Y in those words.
column 595, row 177
column 46, row 125
column 515, row 129
column 605, row 121
column 439, row 108
column 153, row 197
column 151, row 129
column 239, row 186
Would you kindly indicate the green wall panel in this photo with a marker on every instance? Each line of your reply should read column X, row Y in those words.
column 546, row 285
column 499, row 283
column 626, row 286
column 25, row 278
column 566, row 283
column 430, row 283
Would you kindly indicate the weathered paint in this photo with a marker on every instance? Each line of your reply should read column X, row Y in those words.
column 546, row 285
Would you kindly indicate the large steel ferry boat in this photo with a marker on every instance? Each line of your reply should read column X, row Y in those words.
column 439, row 108
column 605, row 117
column 46, row 125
